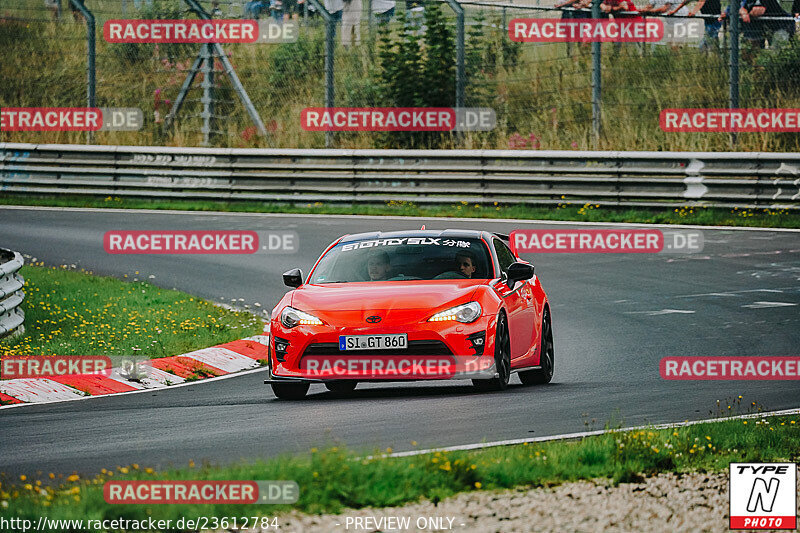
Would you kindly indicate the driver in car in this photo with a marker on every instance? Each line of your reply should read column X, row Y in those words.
column 378, row 266
column 465, row 264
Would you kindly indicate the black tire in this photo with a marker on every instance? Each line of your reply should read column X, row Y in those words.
column 290, row 391
column 341, row 387
column 502, row 359
column 545, row 373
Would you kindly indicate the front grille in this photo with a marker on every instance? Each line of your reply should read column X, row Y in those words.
column 414, row 348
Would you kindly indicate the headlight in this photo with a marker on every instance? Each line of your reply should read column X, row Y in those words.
column 291, row 317
column 466, row 313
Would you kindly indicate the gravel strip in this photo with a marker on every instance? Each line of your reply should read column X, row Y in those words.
column 663, row 503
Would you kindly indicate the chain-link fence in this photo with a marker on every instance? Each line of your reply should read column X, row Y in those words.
column 389, row 53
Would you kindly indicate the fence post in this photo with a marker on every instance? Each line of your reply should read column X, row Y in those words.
column 596, row 79
column 733, row 102
column 90, row 58
column 208, row 93
column 330, row 33
column 461, row 72
column 226, row 65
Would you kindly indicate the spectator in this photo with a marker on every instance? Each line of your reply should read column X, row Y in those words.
column 576, row 4
column 334, row 7
column 215, row 10
column 351, row 22
column 384, row 10
column 665, row 7
column 756, row 31
column 796, row 9
column 276, row 10
column 713, row 19
column 574, row 13
column 291, row 9
column 254, row 8
column 617, row 7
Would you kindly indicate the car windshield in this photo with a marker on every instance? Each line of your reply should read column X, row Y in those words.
column 404, row 258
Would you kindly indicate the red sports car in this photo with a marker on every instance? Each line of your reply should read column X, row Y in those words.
column 411, row 305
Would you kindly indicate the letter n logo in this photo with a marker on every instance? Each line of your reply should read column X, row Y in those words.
column 763, row 495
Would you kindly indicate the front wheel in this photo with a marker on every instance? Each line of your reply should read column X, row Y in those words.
column 290, row 391
column 502, row 359
column 544, row 374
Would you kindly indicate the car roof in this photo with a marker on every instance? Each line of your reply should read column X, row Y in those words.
column 445, row 233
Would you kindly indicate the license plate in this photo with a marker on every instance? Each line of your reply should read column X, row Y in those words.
column 373, row 342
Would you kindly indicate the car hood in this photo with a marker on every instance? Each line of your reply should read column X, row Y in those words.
column 344, row 303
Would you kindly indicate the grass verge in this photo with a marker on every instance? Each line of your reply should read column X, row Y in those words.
column 335, row 478
column 70, row 312
column 588, row 212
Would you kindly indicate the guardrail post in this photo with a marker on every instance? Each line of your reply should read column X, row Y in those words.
column 461, row 72
column 596, row 79
column 734, row 62
column 330, row 33
column 90, row 57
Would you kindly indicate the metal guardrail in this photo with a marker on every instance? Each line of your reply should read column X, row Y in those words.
column 11, row 294
column 651, row 179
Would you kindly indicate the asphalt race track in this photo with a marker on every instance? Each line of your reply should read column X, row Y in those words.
column 615, row 316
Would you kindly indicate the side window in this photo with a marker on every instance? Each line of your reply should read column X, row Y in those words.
column 504, row 255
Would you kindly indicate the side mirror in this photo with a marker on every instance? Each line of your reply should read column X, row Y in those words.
column 519, row 272
column 293, row 278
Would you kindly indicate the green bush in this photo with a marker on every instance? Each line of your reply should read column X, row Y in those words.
column 778, row 70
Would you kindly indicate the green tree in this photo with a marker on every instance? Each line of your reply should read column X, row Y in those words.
column 439, row 73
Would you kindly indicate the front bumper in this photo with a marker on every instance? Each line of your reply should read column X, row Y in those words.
column 291, row 350
column 489, row 372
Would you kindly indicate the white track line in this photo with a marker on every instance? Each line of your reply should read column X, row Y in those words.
column 571, row 436
column 393, row 217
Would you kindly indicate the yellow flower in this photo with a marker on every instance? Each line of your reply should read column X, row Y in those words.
column 23, row 477
column 478, row 484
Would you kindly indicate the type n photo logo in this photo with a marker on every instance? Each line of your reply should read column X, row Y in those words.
column 763, row 496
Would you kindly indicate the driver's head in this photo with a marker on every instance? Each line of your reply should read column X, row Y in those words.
column 378, row 266
column 465, row 264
